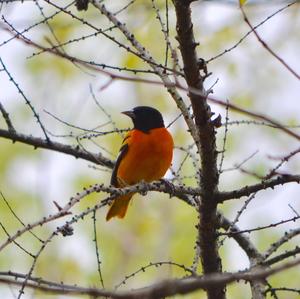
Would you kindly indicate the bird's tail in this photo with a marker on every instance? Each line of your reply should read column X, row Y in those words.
column 119, row 207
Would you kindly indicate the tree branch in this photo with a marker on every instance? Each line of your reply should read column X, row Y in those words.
column 255, row 115
column 7, row 119
column 242, row 240
column 210, row 259
column 28, row 103
column 286, row 237
column 254, row 256
column 264, row 44
column 74, row 151
column 281, row 257
column 159, row 69
column 162, row 289
column 160, row 186
column 248, row 190
column 171, row 87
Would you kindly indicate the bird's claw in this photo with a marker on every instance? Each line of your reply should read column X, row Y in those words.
column 169, row 187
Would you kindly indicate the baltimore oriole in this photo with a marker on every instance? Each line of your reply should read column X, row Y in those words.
column 145, row 155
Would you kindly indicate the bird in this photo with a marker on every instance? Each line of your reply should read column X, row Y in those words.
column 145, row 155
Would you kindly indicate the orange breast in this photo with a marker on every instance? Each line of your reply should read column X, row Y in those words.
column 148, row 157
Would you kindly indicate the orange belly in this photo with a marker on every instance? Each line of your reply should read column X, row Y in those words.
column 148, row 158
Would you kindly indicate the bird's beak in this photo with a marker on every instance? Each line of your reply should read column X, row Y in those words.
column 129, row 113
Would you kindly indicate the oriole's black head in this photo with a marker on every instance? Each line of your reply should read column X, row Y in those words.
column 145, row 118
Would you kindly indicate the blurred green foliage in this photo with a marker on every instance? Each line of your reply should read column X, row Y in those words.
column 156, row 228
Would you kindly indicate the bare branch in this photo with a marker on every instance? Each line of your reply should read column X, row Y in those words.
column 7, row 119
column 243, row 241
column 282, row 289
column 162, row 289
column 184, row 79
column 275, row 246
column 250, row 31
column 171, row 87
column 179, row 191
column 283, row 256
column 15, row 242
column 157, row 68
column 36, row 116
column 210, row 259
column 254, row 115
column 95, row 240
column 18, row 218
column 143, row 269
column 74, row 151
column 250, row 230
column 264, row 44
column 248, row 190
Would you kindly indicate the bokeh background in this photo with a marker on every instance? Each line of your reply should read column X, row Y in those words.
column 156, row 228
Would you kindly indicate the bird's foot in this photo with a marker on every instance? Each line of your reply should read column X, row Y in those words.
column 169, row 187
column 143, row 192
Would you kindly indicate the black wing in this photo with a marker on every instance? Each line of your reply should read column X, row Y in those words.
column 122, row 153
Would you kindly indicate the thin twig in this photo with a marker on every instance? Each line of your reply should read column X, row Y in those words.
column 265, row 45
column 97, row 249
column 37, row 117
column 7, row 119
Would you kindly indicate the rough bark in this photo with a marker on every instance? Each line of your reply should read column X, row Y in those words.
column 210, row 259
